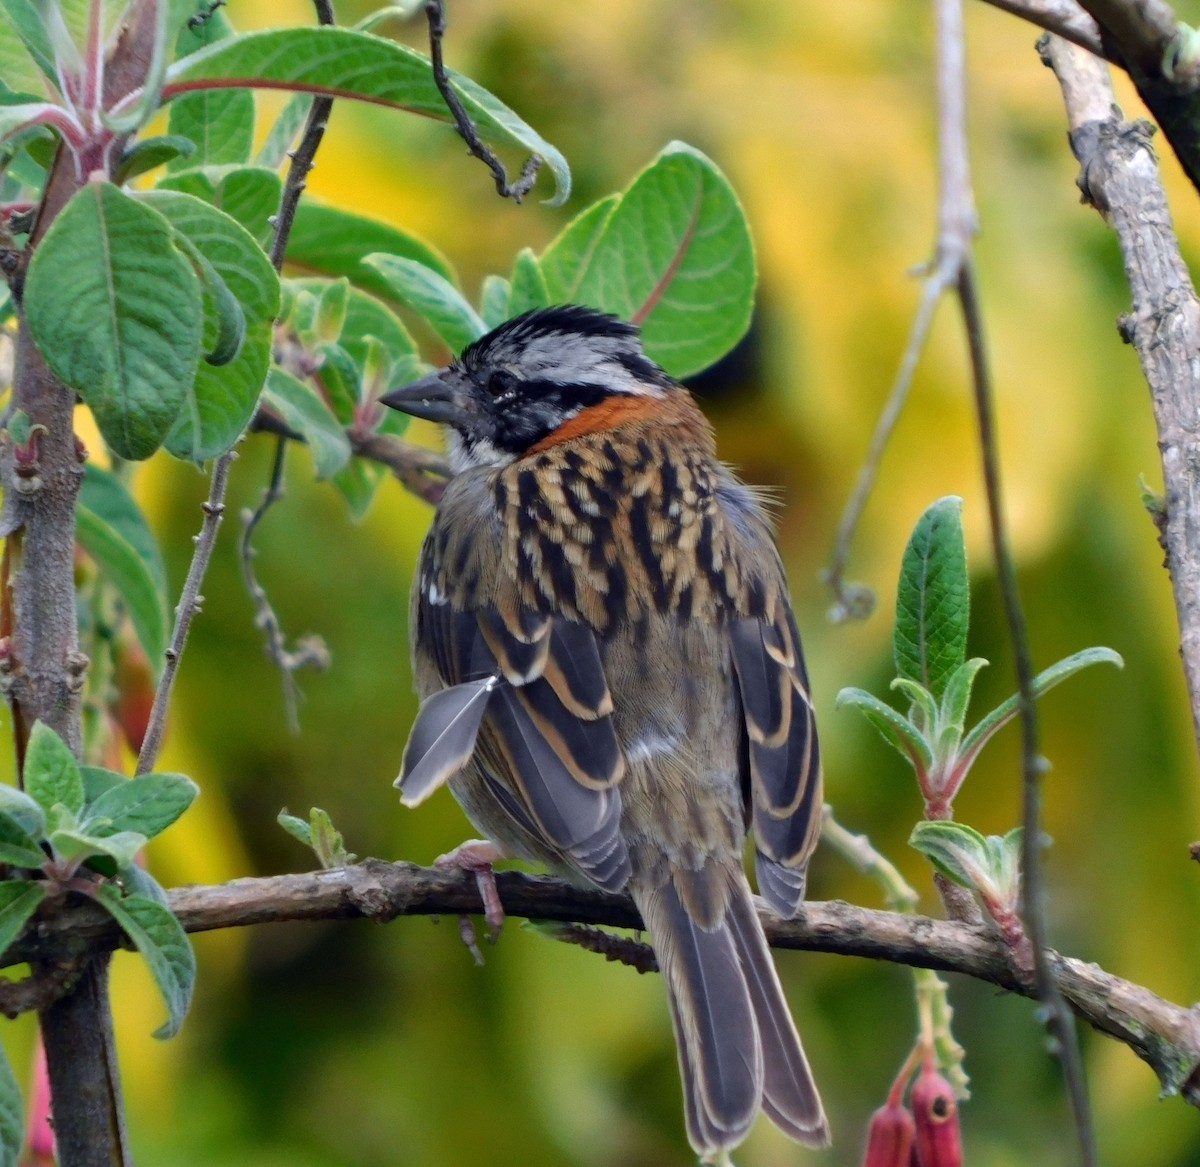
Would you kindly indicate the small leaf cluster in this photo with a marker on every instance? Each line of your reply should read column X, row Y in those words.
column 79, row 829
column 933, row 672
column 320, row 834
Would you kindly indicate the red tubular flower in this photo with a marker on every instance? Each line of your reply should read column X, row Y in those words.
column 935, row 1116
column 889, row 1137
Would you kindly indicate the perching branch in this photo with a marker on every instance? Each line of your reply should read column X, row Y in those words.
column 1119, row 177
column 1165, row 1035
column 436, row 12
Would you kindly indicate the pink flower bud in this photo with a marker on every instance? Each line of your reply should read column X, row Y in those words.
column 935, row 1114
column 889, row 1137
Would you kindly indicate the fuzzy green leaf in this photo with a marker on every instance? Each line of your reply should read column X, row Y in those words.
column 528, row 286
column 933, row 599
column 24, row 811
column 18, row 845
column 220, row 122
column 248, row 194
column 52, row 775
column 151, row 152
column 959, row 852
column 162, row 941
column 112, row 530
column 568, row 257
column 12, row 1115
column 957, row 695
column 299, row 407
column 222, row 398
column 895, row 728
column 329, row 241
column 493, row 300
column 120, row 846
column 115, row 308
column 296, row 827
column 674, row 256
column 147, row 804
column 1044, row 681
column 432, row 296
column 344, row 63
column 19, row 899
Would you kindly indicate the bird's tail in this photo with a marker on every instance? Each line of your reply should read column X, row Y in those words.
column 738, row 1046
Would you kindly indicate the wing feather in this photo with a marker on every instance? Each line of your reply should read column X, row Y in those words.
column 442, row 738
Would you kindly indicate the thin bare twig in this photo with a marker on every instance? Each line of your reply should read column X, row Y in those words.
column 214, row 506
column 421, row 471
column 1163, row 1034
column 955, row 229
column 436, row 12
column 310, row 651
column 1055, row 1014
column 189, row 604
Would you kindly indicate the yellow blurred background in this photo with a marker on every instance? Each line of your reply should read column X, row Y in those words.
column 347, row 1044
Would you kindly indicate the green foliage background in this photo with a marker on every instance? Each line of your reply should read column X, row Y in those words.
column 342, row 1044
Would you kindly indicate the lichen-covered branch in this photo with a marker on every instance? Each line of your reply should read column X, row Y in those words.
column 1165, row 1035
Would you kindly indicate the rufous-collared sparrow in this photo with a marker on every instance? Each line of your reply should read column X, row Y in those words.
column 612, row 679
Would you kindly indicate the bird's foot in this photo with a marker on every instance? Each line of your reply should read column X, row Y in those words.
column 477, row 857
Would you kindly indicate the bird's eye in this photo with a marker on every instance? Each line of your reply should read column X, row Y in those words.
column 500, row 383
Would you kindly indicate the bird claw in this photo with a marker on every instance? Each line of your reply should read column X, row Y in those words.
column 477, row 857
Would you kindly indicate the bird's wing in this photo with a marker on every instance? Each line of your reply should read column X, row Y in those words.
column 529, row 700
column 783, row 755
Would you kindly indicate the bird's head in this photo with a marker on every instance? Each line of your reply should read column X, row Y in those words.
column 514, row 387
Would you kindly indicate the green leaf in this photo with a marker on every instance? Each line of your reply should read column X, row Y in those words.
column 25, row 20
column 959, row 852
column 112, row 530
column 296, row 827
column 51, row 772
column 19, row 899
column 223, row 398
column 923, row 711
column 24, row 811
column 97, row 781
column 674, row 256
column 331, row 311
column 933, row 601
column 248, row 194
column 1044, row 681
column 299, row 407
column 431, row 296
column 957, row 696
column 152, row 152
column 327, row 841
column 365, row 317
column 344, row 63
column 329, row 241
column 147, row 804
column 528, row 288
column 340, row 377
column 895, row 728
column 120, row 847
column 284, row 132
column 12, row 1115
column 493, row 300
column 115, row 309
column 219, row 121
column 162, row 941
column 18, row 845
column 357, row 483
column 567, row 259
column 137, row 881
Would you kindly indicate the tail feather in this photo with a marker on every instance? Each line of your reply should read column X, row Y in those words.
column 790, row 1096
column 720, row 1056
column 738, row 1047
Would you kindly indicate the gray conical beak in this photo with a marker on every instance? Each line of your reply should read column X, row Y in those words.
column 437, row 397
